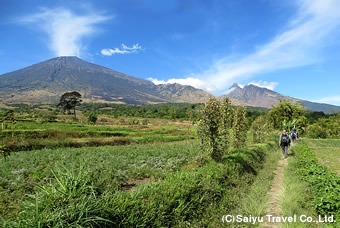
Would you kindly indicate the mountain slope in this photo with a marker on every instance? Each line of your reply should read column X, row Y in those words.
column 252, row 95
column 48, row 80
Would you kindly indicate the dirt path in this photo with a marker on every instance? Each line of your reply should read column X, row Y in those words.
column 276, row 193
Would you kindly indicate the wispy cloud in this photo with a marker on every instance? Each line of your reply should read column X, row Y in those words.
column 195, row 82
column 65, row 29
column 264, row 84
column 2, row 52
column 299, row 44
column 335, row 100
column 123, row 50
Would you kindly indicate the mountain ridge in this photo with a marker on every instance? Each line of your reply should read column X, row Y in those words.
column 252, row 95
column 48, row 80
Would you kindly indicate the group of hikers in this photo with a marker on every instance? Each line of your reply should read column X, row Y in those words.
column 285, row 140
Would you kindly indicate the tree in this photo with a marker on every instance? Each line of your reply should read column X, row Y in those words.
column 69, row 100
column 260, row 129
column 240, row 127
column 227, row 121
column 287, row 115
column 209, row 128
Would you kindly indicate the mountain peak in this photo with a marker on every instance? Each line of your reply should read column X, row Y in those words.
column 48, row 80
column 235, row 85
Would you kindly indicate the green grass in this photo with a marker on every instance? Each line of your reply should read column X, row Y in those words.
column 297, row 197
column 327, row 151
column 249, row 192
column 324, row 184
column 32, row 135
column 108, row 167
column 76, row 187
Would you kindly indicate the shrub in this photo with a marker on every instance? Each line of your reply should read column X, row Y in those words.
column 92, row 117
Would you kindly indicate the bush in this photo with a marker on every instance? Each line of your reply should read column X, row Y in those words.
column 92, row 117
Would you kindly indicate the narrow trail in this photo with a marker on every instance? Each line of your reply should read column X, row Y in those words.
column 276, row 193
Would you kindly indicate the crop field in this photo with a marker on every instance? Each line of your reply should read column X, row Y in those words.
column 327, row 151
column 29, row 135
column 110, row 167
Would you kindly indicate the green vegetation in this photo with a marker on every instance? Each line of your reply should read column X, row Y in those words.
column 297, row 197
column 240, row 127
column 218, row 124
column 285, row 115
column 73, row 192
column 324, row 185
column 325, row 128
column 327, row 151
column 104, row 167
column 30, row 135
column 250, row 196
column 162, row 178
column 69, row 101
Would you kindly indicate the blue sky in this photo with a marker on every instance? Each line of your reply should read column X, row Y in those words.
column 292, row 47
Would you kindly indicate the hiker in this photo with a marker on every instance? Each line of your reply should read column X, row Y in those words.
column 294, row 135
column 284, row 142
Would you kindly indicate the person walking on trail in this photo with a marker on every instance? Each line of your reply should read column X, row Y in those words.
column 284, row 142
column 295, row 135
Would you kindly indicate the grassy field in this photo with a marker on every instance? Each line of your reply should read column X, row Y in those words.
column 67, row 173
column 30, row 135
column 171, row 185
column 109, row 167
column 136, row 172
column 314, row 184
column 327, row 151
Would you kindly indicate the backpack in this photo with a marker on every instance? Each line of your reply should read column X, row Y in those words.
column 284, row 140
column 293, row 135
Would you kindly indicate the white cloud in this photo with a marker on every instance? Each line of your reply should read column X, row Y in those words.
column 335, row 100
column 65, row 29
column 229, row 91
column 194, row 82
column 2, row 52
column 124, row 50
column 298, row 45
column 265, row 84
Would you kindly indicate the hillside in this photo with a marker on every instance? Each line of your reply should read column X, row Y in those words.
column 252, row 95
column 48, row 80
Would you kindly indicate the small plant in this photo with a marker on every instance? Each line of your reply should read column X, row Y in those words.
column 145, row 122
column 92, row 117
column 134, row 122
column 4, row 152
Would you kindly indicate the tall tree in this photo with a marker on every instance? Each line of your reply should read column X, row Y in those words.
column 69, row 100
